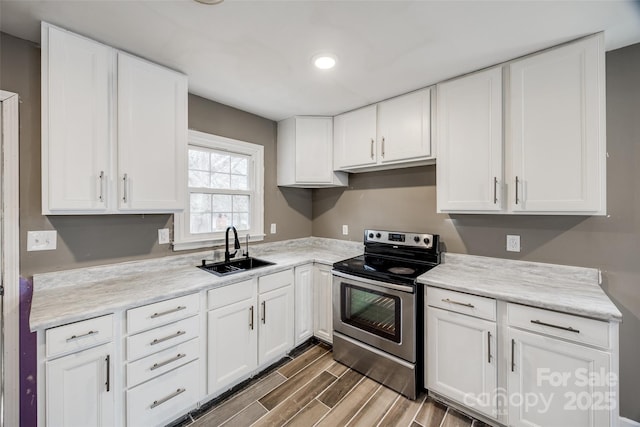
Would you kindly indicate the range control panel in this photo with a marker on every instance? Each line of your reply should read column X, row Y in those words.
column 399, row 238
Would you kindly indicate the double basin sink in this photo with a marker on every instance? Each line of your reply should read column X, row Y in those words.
column 224, row 268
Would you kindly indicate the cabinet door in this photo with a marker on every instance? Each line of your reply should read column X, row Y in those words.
column 469, row 135
column 152, row 136
column 557, row 117
column 314, row 150
column 355, row 138
column 304, row 303
column 323, row 306
column 232, row 343
column 76, row 128
column 404, row 127
column 553, row 379
column 275, row 335
column 79, row 389
column 461, row 359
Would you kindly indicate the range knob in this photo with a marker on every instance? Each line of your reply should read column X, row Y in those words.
column 371, row 235
column 416, row 239
column 378, row 235
column 426, row 241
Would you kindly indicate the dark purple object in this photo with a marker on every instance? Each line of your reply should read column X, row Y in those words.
column 28, row 359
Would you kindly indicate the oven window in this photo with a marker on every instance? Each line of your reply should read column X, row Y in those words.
column 371, row 311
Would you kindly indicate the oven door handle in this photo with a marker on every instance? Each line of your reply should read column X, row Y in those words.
column 402, row 288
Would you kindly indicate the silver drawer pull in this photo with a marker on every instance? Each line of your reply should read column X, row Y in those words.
column 164, row 313
column 166, row 399
column 166, row 362
column 76, row 337
column 465, row 304
column 159, row 340
column 564, row 328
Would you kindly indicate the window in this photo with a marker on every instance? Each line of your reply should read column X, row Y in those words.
column 224, row 188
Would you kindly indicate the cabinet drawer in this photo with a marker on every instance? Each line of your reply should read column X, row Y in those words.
column 473, row 305
column 80, row 335
column 164, row 398
column 161, row 313
column 161, row 362
column 161, row 338
column 275, row 281
column 231, row 294
column 562, row 325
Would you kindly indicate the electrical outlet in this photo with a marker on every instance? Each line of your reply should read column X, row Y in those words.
column 345, row 230
column 46, row 240
column 273, row 229
column 163, row 236
column 513, row 243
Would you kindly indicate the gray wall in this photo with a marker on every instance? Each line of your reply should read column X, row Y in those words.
column 92, row 240
column 406, row 199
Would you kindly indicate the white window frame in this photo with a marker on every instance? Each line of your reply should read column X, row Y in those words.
column 183, row 238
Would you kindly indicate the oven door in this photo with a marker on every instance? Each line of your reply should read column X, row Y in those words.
column 379, row 314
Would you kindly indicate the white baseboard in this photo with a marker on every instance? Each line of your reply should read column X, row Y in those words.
column 626, row 422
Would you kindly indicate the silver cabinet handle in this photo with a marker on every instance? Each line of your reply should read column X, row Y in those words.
column 166, row 362
column 108, row 383
column 495, row 190
column 564, row 328
column 251, row 317
column 465, row 304
column 513, row 352
column 264, row 312
column 372, row 143
column 382, row 150
column 164, row 313
column 88, row 334
column 166, row 399
column 101, row 196
column 124, row 188
column 517, row 182
column 488, row 347
column 159, row 340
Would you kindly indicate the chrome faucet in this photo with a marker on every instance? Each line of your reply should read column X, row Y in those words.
column 236, row 244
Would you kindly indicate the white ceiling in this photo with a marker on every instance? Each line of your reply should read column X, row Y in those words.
column 256, row 55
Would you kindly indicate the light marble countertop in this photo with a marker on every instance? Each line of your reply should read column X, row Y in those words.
column 574, row 290
column 72, row 295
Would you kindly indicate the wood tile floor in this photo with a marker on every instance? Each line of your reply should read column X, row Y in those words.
column 314, row 390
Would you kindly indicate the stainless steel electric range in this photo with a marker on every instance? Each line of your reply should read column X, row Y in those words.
column 378, row 311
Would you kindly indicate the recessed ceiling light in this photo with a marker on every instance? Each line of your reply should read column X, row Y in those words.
column 209, row 1
column 324, row 61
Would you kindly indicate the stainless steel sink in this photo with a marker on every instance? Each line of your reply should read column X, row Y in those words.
column 234, row 266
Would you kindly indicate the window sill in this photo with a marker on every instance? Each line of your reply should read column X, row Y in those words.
column 199, row 244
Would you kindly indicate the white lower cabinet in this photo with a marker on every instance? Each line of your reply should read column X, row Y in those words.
column 159, row 401
column 80, row 390
column 322, row 303
column 232, row 337
column 275, row 331
column 304, row 303
column 462, row 359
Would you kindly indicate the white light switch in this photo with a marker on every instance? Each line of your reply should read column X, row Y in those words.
column 163, row 236
column 513, row 243
column 345, row 230
column 273, row 229
column 45, row 240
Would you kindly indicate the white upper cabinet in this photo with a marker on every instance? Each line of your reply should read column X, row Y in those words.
column 557, row 137
column 305, row 153
column 404, row 127
column 152, row 135
column 554, row 158
column 391, row 134
column 114, row 129
column 355, row 138
column 469, row 135
column 76, row 132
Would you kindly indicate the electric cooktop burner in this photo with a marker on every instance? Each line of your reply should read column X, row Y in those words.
column 393, row 257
